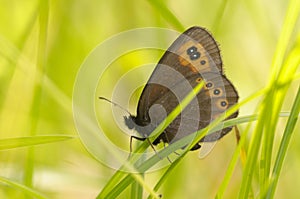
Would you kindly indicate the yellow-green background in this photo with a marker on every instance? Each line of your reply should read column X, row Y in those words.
column 247, row 32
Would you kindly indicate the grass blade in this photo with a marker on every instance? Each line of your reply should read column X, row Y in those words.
column 12, row 143
column 26, row 190
column 167, row 14
column 268, row 114
column 291, row 123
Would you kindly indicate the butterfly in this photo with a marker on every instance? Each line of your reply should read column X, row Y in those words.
column 192, row 58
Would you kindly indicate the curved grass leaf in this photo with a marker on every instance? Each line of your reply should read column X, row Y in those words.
column 263, row 137
column 11, row 143
column 284, row 145
column 167, row 14
column 26, row 190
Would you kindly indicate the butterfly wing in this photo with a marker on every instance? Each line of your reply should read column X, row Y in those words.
column 193, row 57
column 214, row 99
column 175, row 65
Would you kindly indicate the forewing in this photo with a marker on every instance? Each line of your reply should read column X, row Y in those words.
column 178, row 63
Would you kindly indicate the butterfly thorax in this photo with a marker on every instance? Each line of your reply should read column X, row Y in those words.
column 132, row 122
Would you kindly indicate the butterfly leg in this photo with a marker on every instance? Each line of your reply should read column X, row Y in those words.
column 153, row 148
column 242, row 151
column 137, row 138
column 143, row 139
column 168, row 156
column 130, row 145
column 237, row 134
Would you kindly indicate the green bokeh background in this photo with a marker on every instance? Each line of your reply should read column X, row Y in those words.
column 247, row 32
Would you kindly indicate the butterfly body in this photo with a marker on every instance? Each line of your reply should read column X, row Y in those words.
column 193, row 57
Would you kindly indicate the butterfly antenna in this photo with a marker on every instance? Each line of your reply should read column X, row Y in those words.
column 115, row 104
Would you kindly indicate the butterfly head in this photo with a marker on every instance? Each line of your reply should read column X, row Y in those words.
column 130, row 121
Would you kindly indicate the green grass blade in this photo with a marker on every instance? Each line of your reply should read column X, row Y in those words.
column 37, row 95
column 230, row 168
column 26, row 190
column 273, row 107
column 136, row 187
column 167, row 14
column 291, row 123
column 136, row 190
column 278, row 92
column 291, row 18
column 237, row 151
column 268, row 118
column 167, row 173
column 12, row 143
column 219, row 15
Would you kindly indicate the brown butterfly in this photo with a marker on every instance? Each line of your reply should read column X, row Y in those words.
column 192, row 58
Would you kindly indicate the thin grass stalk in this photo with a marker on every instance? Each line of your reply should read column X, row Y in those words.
column 291, row 123
column 43, row 24
column 267, row 109
column 166, row 13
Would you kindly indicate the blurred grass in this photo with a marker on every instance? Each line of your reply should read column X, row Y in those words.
column 25, row 190
column 12, row 143
column 42, row 45
column 43, row 11
column 269, row 110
